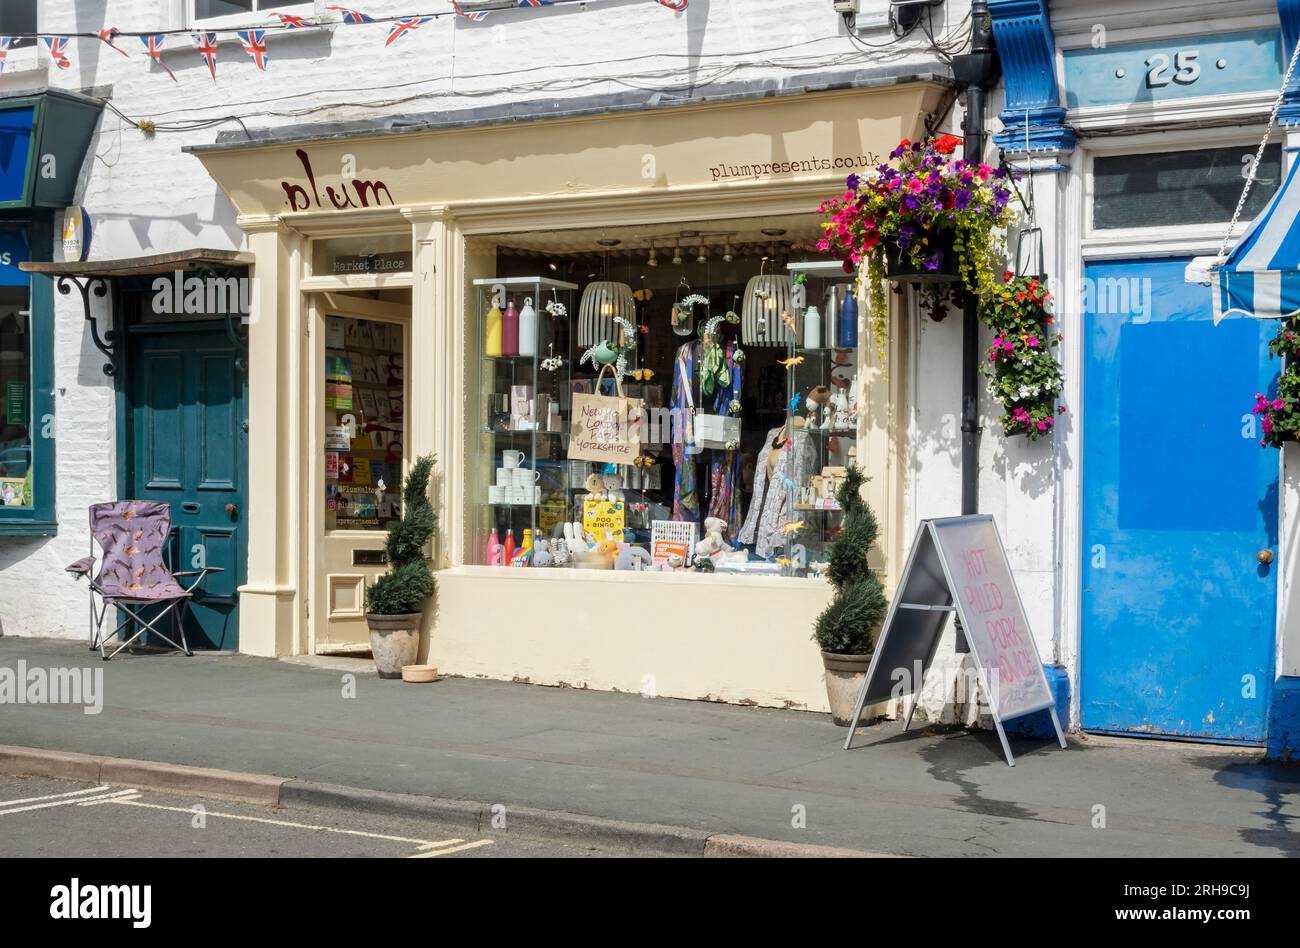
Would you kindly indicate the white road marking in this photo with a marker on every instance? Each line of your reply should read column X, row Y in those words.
column 454, row 849
column 422, row 843
column 79, row 801
column 56, row 796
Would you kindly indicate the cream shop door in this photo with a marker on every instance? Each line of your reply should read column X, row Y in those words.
column 359, row 398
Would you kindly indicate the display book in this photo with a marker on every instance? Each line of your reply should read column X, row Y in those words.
column 364, row 408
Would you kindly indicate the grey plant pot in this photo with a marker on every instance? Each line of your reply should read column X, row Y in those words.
column 844, row 677
column 394, row 642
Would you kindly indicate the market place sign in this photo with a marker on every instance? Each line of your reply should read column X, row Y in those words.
column 958, row 565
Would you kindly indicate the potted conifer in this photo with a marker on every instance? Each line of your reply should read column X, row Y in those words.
column 395, row 601
column 846, row 630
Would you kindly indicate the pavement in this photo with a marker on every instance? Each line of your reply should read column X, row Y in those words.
column 700, row 774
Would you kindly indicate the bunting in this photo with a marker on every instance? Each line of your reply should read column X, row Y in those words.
column 253, row 40
column 154, row 43
column 404, row 26
column 59, row 51
column 289, row 22
column 107, row 36
column 352, row 17
column 206, row 44
column 254, row 43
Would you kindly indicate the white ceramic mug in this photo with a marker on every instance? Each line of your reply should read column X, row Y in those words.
column 523, row 477
column 506, row 477
column 513, row 459
column 496, row 495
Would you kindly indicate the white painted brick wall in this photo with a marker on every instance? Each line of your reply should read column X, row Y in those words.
column 146, row 196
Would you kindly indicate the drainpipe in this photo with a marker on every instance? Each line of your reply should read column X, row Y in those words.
column 978, row 71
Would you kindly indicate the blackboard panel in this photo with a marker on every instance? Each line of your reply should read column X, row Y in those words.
column 908, row 636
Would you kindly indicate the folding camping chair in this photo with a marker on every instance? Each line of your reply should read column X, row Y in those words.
column 133, row 576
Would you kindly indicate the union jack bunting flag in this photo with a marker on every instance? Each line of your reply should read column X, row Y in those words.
column 59, row 51
column 404, row 26
column 5, row 43
column 677, row 5
column 352, row 17
column 254, row 43
column 154, row 43
column 206, row 44
column 291, row 22
column 109, row 35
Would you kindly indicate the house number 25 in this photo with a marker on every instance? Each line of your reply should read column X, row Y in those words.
column 1182, row 69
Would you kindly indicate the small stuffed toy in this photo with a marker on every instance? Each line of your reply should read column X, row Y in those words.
column 613, row 487
column 542, row 555
column 713, row 541
column 595, row 487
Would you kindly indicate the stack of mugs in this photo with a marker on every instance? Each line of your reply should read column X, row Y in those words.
column 515, row 484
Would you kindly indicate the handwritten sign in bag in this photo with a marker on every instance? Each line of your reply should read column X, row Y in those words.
column 605, row 428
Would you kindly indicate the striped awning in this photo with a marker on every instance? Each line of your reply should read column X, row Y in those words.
column 1261, row 277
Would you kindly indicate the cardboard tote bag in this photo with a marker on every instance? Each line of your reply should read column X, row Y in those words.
column 605, row 428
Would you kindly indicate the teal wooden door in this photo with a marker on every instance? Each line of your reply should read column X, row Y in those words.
column 189, row 448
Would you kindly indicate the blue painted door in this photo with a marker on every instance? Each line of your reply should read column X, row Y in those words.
column 189, row 448
column 1178, row 615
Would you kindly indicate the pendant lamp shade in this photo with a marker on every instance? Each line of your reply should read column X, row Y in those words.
column 601, row 302
column 767, row 296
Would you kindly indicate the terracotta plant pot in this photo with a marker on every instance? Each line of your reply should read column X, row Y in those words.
column 900, row 268
column 844, row 677
column 394, row 642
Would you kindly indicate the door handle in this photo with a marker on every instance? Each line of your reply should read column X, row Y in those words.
column 232, row 509
column 1265, row 557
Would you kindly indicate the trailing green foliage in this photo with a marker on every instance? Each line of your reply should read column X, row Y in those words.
column 409, row 581
column 848, row 626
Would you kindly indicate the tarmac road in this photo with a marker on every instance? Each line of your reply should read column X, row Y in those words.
column 41, row 817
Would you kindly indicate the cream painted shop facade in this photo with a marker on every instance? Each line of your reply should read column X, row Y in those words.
column 386, row 223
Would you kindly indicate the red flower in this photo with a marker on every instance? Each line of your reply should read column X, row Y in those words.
column 946, row 144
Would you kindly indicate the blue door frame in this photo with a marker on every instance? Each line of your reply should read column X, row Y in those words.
column 1178, row 618
column 183, row 440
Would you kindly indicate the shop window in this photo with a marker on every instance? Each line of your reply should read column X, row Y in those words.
column 206, row 9
column 26, row 409
column 17, row 17
column 364, row 423
column 739, row 439
column 1163, row 189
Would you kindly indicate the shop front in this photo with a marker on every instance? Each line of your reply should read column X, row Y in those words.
column 454, row 290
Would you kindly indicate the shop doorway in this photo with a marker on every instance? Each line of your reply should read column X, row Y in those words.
column 358, row 411
column 187, row 445
column 1178, row 615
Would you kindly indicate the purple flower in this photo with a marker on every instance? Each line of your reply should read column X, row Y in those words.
column 932, row 262
column 851, row 182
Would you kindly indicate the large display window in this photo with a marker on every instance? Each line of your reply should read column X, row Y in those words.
column 678, row 399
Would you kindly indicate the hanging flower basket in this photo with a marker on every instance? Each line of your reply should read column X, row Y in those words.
column 1279, row 410
column 1021, row 365
column 925, row 218
column 938, row 266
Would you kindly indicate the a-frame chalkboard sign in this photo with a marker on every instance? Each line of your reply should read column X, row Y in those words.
column 958, row 564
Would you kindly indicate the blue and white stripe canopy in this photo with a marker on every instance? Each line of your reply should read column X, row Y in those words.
column 1261, row 277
